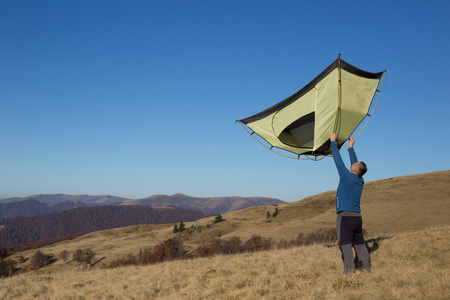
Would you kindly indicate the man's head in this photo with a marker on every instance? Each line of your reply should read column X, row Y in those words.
column 359, row 168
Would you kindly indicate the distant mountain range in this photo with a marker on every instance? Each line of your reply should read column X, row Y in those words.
column 58, row 198
column 31, row 207
column 45, row 204
column 208, row 206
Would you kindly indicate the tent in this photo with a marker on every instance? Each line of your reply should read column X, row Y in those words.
column 337, row 100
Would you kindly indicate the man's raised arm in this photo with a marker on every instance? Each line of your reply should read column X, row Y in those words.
column 351, row 152
column 337, row 156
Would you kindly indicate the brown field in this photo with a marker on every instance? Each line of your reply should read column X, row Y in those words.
column 413, row 265
column 407, row 215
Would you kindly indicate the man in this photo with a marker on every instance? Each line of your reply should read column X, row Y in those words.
column 348, row 196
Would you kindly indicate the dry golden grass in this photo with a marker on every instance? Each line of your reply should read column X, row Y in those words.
column 413, row 265
column 397, row 207
column 389, row 206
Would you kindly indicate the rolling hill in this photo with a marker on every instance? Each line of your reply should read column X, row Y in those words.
column 390, row 206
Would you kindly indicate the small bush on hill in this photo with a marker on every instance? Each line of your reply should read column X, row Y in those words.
column 232, row 245
column 145, row 256
column 179, row 228
column 214, row 247
column 128, row 260
column 172, row 249
column 275, row 213
column 86, row 256
column 7, row 267
column 323, row 235
column 39, row 260
column 218, row 219
column 257, row 243
column 168, row 250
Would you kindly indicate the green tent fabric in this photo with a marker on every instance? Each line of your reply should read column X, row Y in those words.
column 335, row 101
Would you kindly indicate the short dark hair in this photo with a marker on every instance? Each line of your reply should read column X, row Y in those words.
column 361, row 169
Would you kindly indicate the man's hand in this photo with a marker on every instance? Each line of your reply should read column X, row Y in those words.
column 333, row 137
column 351, row 142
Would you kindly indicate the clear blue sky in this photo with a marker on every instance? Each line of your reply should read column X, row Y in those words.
column 136, row 98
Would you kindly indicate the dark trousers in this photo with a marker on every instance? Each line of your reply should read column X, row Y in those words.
column 349, row 232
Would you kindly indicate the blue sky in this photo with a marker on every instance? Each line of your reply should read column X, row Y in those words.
column 136, row 98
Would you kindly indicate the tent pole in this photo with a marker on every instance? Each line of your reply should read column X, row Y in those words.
column 339, row 96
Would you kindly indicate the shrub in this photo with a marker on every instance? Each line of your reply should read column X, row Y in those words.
column 7, row 267
column 78, row 255
column 86, row 256
column 323, row 235
column 275, row 213
column 39, row 260
column 218, row 246
column 214, row 247
column 257, row 243
column 300, row 241
column 145, row 256
column 232, row 245
column 218, row 219
column 170, row 249
column 128, row 260
column 202, row 250
column 181, row 227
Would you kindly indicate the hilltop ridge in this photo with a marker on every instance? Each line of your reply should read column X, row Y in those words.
column 207, row 205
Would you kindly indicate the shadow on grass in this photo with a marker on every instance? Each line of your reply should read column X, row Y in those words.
column 96, row 262
column 51, row 261
column 374, row 244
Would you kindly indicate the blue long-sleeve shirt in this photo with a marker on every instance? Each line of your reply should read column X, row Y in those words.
column 348, row 195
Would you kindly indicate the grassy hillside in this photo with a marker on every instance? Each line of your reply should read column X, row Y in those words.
column 412, row 265
column 407, row 215
column 390, row 206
